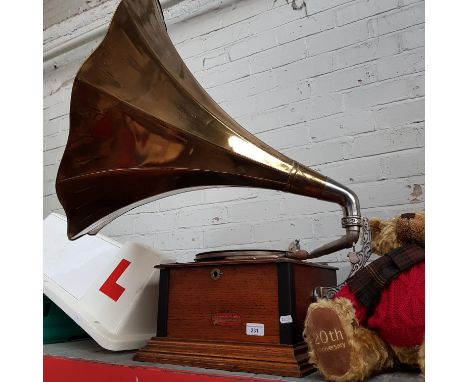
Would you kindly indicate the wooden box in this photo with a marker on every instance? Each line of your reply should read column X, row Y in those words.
column 238, row 315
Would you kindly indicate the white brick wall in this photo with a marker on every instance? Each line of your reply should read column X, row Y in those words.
column 340, row 89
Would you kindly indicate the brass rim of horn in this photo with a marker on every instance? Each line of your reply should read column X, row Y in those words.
column 142, row 128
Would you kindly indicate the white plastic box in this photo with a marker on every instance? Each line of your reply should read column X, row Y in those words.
column 110, row 290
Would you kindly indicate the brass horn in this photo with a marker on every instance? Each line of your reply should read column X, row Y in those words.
column 142, row 128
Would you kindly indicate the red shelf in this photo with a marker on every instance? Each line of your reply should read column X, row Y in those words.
column 86, row 361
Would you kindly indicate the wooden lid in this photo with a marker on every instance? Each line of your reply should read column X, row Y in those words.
column 240, row 254
column 243, row 262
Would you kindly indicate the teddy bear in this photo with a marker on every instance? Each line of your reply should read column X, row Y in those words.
column 376, row 320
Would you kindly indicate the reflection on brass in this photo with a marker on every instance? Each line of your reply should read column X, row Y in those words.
column 141, row 128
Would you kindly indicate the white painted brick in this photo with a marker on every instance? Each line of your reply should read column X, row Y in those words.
column 176, row 18
column 154, row 222
column 250, row 211
column 243, row 10
column 402, row 3
column 289, row 136
column 45, row 117
column 65, row 123
column 56, row 125
column 367, row 51
column 344, row 79
column 358, row 10
column 206, row 23
column 305, row 27
column 148, row 240
column 397, row 20
column 226, row 194
column 178, row 32
column 251, row 45
column 353, row 171
column 123, row 225
column 50, row 172
column 189, row 198
column 276, row 57
column 179, row 239
column 391, row 192
column 304, row 69
column 215, row 58
column 265, row 194
column 268, row 120
column 400, row 113
column 50, row 203
column 79, row 23
column 317, row 153
column 412, row 38
column 55, row 141
column 58, row 110
column 218, row 94
column 290, row 229
column 48, row 187
column 66, row 93
column 327, row 225
column 273, row 18
column 322, row 5
column 313, row 108
column 386, row 92
column 387, row 212
column 295, row 113
column 52, row 157
column 240, row 107
column 190, row 48
column 52, row 127
column 344, row 124
column 336, row 38
column 384, row 141
column 401, row 64
column 294, row 205
column 52, row 99
column 252, row 85
column 378, row 167
column 216, row 237
column 195, row 63
column 283, row 96
column 223, row 74
column 150, row 207
column 226, row 36
column 202, row 217
column 402, row 164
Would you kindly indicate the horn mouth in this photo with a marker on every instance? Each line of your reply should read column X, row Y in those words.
column 141, row 128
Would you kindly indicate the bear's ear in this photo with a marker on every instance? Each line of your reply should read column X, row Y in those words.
column 410, row 230
column 375, row 225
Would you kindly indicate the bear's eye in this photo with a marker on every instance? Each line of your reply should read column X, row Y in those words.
column 410, row 215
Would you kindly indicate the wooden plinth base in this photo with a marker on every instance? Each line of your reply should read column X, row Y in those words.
column 283, row 360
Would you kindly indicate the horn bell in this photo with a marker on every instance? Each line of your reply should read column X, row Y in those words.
column 142, row 128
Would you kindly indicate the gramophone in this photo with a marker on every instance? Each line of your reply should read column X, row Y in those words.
column 142, row 128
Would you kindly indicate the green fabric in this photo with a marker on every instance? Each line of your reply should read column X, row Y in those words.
column 57, row 326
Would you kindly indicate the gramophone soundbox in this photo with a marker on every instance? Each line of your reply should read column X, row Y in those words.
column 238, row 313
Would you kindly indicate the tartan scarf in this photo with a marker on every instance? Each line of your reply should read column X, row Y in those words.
column 368, row 283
